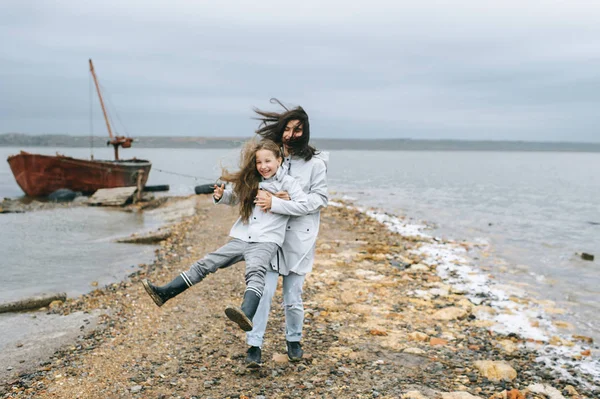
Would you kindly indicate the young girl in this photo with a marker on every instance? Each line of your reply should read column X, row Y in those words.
column 256, row 235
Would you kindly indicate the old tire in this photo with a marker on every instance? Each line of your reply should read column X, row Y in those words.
column 205, row 189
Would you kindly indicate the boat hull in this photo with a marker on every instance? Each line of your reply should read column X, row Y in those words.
column 41, row 175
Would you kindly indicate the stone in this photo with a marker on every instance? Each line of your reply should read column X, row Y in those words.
column 55, row 304
column 413, row 395
column 571, row 390
column 419, row 267
column 280, row 358
column 450, row 313
column 496, row 370
column 550, row 392
column 414, row 351
column 514, row 394
column 135, row 388
column 437, row 341
column 558, row 341
column 507, row 345
column 418, row 336
column 459, row 395
column 583, row 338
column 348, row 297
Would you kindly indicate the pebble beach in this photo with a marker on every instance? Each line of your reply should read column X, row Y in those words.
column 390, row 313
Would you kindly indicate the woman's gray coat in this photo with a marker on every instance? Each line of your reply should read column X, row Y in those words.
column 298, row 250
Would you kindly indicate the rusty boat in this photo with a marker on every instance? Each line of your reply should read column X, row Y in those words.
column 41, row 175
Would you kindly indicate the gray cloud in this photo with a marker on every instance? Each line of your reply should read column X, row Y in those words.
column 439, row 69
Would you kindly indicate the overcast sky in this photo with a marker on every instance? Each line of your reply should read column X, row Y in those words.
column 464, row 69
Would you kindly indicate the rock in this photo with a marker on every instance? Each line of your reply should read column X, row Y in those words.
column 450, row 313
column 348, row 297
column 514, row 394
column 571, row 390
column 507, row 345
column 55, row 304
column 459, row 395
column 583, row 338
column 135, row 388
column 413, row 395
column 550, row 392
column 586, row 256
column 418, row 268
column 418, row 336
column 414, row 351
column 558, row 341
column 437, row 341
column 280, row 358
column 496, row 370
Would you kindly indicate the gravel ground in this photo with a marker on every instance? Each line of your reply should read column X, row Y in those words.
column 365, row 336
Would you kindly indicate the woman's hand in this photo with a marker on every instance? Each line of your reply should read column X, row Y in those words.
column 218, row 192
column 263, row 200
column 282, row 195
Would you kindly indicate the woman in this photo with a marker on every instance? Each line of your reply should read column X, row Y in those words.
column 294, row 260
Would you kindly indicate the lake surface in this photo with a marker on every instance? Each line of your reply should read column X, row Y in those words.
column 536, row 210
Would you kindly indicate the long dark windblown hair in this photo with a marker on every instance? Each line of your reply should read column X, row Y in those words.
column 245, row 181
column 273, row 125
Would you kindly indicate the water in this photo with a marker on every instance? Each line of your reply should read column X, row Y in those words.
column 536, row 210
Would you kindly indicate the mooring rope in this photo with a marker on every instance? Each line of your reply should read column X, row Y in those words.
column 184, row 175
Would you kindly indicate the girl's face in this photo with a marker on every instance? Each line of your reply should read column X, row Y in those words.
column 267, row 163
column 292, row 130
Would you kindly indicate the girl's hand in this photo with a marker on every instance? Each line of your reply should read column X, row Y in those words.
column 218, row 192
column 263, row 200
column 282, row 195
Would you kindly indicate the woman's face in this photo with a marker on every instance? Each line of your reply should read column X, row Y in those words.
column 293, row 130
column 267, row 163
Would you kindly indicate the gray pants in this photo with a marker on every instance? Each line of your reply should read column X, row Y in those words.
column 256, row 254
column 292, row 302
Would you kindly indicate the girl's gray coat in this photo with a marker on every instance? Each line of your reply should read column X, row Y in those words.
column 298, row 250
column 266, row 226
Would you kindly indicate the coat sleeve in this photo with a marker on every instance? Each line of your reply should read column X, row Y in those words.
column 228, row 198
column 316, row 198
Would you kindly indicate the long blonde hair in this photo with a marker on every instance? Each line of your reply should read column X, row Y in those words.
column 245, row 181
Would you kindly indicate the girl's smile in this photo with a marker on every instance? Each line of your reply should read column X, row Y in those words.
column 266, row 163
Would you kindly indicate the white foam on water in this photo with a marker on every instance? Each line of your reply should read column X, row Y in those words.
column 515, row 313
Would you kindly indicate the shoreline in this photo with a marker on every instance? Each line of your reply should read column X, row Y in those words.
column 365, row 333
column 505, row 308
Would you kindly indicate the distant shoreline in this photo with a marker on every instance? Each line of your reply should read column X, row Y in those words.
column 63, row 140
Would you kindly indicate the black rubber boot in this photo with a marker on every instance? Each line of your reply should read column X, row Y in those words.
column 243, row 316
column 160, row 295
column 253, row 359
column 294, row 351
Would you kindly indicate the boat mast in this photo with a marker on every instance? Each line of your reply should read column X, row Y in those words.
column 115, row 141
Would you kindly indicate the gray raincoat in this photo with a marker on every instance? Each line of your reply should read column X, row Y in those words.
column 298, row 250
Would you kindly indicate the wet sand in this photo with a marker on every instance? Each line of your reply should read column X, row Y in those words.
column 366, row 333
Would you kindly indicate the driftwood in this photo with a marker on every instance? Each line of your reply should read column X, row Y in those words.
column 148, row 238
column 112, row 196
column 32, row 303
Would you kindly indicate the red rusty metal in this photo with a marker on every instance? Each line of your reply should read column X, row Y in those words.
column 41, row 175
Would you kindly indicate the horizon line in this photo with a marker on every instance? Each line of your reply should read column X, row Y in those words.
column 235, row 138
